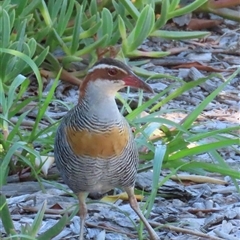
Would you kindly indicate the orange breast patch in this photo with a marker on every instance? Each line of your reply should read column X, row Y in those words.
column 93, row 144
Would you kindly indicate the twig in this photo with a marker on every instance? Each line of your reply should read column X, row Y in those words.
column 111, row 229
column 210, row 210
column 65, row 76
column 183, row 230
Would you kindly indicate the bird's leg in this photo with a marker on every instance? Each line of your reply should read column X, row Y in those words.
column 82, row 212
column 134, row 205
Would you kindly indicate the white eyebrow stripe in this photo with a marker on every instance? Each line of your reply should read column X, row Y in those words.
column 102, row 66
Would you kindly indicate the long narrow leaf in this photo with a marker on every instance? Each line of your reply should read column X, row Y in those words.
column 92, row 46
column 4, row 166
column 76, row 30
column 178, row 92
column 5, row 215
column 143, row 27
column 202, row 149
column 55, row 230
column 193, row 116
column 38, row 219
column 174, row 4
column 107, row 25
column 199, row 136
column 187, row 9
column 164, row 15
column 210, row 167
column 174, row 35
column 30, row 62
column 132, row 10
column 5, row 27
column 42, row 108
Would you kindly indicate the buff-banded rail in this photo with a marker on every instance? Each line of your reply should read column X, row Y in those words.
column 94, row 145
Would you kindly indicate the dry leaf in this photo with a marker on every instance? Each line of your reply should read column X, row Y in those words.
column 200, row 66
column 122, row 196
column 198, row 24
column 198, row 179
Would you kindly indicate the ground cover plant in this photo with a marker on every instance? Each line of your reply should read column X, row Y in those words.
column 40, row 38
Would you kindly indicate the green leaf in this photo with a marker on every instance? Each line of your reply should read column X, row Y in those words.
column 38, row 60
column 218, row 158
column 123, row 33
column 153, row 75
column 173, row 5
column 187, row 9
column 4, row 165
column 42, row 33
column 30, row 7
column 136, row 112
column 32, row 44
column 21, row 5
column 193, row 115
column 107, row 25
column 115, row 35
column 143, row 27
column 88, row 21
column 93, row 7
column 12, row 90
column 91, row 31
column 5, row 29
column 119, row 8
column 178, row 92
column 178, row 142
column 61, row 42
column 132, row 10
column 17, row 106
column 16, row 65
column 3, row 100
column 202, row 135
column 12, row 18
column 45, row 14
column 6, row 216
column 92, row 47
column 16, row 130
column 54, row 8
column 28, row 60
column 159, row 154
column 21, row 34
column 49, row 57
column 193, row 165
column 55, row 230
column 76, row 30
column 65, row 16
column 176, row 35
column 155, row 118
column 161, row 21
column 202, row 149
column 42, row 109
column 38, row 220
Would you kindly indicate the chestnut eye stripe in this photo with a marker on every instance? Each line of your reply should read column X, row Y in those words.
column 106, row 66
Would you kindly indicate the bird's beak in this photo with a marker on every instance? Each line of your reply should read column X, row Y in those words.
column 134, row 81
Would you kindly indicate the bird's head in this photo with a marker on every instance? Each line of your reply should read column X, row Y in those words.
column 110, row 75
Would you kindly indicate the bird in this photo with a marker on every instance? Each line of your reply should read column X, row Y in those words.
column 94, row 147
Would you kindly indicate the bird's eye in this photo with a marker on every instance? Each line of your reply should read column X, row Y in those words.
column 112, row 72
